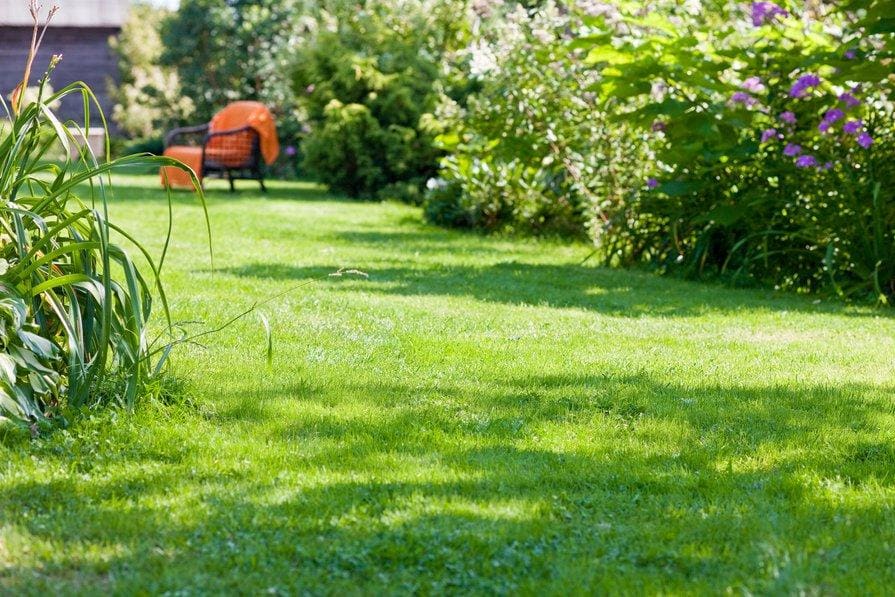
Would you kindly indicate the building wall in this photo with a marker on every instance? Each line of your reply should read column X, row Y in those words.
column 86, row 56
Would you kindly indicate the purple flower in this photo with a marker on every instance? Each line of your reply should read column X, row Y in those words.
column 290, row 150
column 763, row 12
column 741, row 97
column 849, row 100
column 658, row 126
column 803, row 84
column 809, row 80
column 788, row 117
column 852, row 127
column 310, row 88
column 830, row 117
column 850, row 54
column 652, row 183
column 768, row 134
column 792, row 150
column 827, row 166
column 865, row 140
column 833, row 115
column 753, row 84
column 806, row 161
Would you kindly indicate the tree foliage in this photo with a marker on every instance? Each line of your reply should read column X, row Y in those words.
column 226, row 50
column 148, row 98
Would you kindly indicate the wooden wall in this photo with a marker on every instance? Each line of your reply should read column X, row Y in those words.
column 86, row 56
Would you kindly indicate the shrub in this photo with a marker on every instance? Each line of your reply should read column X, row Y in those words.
column 346, row 148
column 761, row 126
column 377, row 69
column 531, row 151
column 148, row 98
column 153, row 145
column 404, row 192
column 747, row 140
column 444, row 205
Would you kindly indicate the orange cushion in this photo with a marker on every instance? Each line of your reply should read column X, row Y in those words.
column 175, row 177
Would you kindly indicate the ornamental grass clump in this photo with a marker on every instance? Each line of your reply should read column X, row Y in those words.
column 73, row 303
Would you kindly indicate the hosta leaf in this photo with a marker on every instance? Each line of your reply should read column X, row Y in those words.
column 25, row 358
column 12, row 406
column 38, row 345
column 7, row 368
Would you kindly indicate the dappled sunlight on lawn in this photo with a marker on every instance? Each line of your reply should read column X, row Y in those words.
column 478, row 415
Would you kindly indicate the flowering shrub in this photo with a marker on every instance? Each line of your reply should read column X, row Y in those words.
column 148, row 99
column 531, row 151
column 345, row 148
column 748, row 140
column 772, row 131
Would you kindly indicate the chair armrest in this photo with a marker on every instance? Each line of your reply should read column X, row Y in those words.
column 185, row 131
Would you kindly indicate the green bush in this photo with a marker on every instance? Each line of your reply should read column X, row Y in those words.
column 444, row 205
column 153, row 145
column 404, row 192
column 372, row 75
column 531, row 152
column 756, row 174
column 346, row 147
column 661, row 134
column 148, row 98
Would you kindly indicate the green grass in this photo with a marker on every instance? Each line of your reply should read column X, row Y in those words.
column 479, row 415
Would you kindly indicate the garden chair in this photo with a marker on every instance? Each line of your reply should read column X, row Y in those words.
column 237, row 143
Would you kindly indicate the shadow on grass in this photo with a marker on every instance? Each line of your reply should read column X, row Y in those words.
column 568, row 482
column 217, row 190
column 614, row 292
column 711, row 424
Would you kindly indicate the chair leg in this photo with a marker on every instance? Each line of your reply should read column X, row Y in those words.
column 258, row 174
column 230, row 178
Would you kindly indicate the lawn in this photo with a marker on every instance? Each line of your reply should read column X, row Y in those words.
column 479, row 415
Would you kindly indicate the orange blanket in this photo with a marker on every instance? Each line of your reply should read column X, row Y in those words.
column 235, row 115
column 255, row 115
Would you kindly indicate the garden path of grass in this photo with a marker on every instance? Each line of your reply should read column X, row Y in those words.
column 479, row 415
